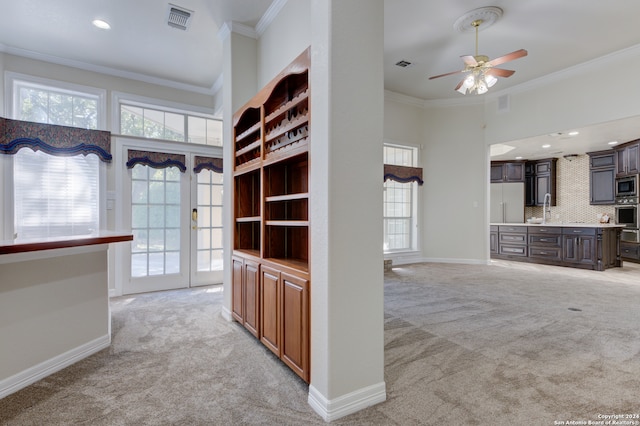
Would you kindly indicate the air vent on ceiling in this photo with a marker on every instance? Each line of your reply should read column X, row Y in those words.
column 403, row 64
column 179, row 17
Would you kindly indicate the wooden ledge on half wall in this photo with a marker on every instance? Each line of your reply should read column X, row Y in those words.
column 39, row 244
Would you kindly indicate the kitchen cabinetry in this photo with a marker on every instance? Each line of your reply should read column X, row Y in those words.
column 512, row 240
column 493, row 239
column 579, row 245
column 271, row 278
column 545, row 243
column 630, row 251
column 590, row 247
column 540, row 179
column 602, row 176
column 628, row 158
column 507, row 171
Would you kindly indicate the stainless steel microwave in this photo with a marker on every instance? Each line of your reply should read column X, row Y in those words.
column 627, row 186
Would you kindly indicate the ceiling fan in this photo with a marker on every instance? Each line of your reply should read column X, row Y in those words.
column 482, row 73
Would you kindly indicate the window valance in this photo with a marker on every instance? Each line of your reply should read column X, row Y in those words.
column 403, row 174
column 156, row 160
column 53, row 139
column 208, row 163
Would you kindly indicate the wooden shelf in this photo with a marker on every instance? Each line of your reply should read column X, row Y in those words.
column 248, row 219
column 248, row 148
column 297, row 264
column 286, row 107
column 254, row 253
column 248, row 132
column 291, row 223
column 287, row 197
column 277, row 132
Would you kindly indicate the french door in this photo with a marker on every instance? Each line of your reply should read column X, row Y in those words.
column 176, row 219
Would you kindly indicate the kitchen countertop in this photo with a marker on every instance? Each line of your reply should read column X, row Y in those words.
column 564, row 225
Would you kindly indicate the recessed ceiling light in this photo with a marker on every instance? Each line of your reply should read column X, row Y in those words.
column 546, row 146
column 102, row 24
column 574, row 133
column 613, row 143
column 518, row 158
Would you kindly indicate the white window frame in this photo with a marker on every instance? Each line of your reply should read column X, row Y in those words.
column 120, row 98
column 11, row 81
column 415, row 203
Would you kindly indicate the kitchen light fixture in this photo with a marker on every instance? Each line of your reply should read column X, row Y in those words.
column 612, row 143
column 546, row 146
column 101, row 23
column 574, row 133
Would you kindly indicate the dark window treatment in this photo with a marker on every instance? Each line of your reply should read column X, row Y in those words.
column 208, row 163
column 52, row 139
column 156, row 160
column 403, row 174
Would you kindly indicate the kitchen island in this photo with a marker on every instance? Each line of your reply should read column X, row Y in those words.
column 578, row 245
column 54, row 305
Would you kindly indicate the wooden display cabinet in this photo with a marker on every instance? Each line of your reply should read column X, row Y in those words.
column 271, row 276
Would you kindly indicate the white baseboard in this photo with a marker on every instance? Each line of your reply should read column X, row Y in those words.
column 462, row 261
column 226, row 314
column 40, row 371
column 347, row 404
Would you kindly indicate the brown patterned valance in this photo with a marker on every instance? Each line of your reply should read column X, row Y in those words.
column 53, row 139
column 209, row 163
column 403, row 174
column 156, row 160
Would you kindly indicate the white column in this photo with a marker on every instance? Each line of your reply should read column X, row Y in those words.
column 240, row 85
column 347, row 312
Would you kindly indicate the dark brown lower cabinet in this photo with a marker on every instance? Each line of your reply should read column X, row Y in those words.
column 245, row 293
column 295, row 324
column 272, row 302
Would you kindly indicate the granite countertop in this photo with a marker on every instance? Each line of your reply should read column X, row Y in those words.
column 565, row 225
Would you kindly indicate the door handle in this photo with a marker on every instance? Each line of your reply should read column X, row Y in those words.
column 194, row 218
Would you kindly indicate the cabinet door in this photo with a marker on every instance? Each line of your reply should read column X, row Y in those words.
column 493, row 242
column 530, row 191
column 496, row 173
column 579, row 249
column 621, row 165
column 295, row 324
column 270, row 309
column 237, row 304
column 633, row 152
column 543, row 186
column 514, row 172
column 251, row 296
column 603, row 186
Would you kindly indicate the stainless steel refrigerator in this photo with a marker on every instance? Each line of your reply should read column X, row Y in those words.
column 507, row 202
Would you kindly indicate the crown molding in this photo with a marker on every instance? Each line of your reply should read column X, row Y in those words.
column 234, row 27
column 107, row 70
column 269, row 16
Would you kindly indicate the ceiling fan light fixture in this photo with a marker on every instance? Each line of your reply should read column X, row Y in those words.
column 491, row 80
column 469, row 81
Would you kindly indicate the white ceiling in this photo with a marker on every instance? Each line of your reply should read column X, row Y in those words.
column 557, row 34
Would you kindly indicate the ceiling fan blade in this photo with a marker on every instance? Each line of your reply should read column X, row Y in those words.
column 499, row 72
column 457, row 89
column 508, row 57
column 469, row 60
column 444, row 75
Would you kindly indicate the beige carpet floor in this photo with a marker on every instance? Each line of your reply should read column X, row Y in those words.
column 505, row 344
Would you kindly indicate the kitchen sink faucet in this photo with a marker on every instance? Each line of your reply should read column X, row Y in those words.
column 547, row 199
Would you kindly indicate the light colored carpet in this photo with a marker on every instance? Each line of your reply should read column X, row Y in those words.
column 504, row 344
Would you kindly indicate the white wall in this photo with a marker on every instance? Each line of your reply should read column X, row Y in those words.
column 455, row 162
column 288, row 35
column 600, row 91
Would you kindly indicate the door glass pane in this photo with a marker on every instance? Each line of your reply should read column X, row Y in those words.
column 155, row 221
column 209, row 221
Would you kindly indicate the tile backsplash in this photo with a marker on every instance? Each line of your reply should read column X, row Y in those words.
column 572, row 197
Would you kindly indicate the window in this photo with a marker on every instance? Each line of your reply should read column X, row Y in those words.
column 55, row 196
column 399, row 203
column 157, row 123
